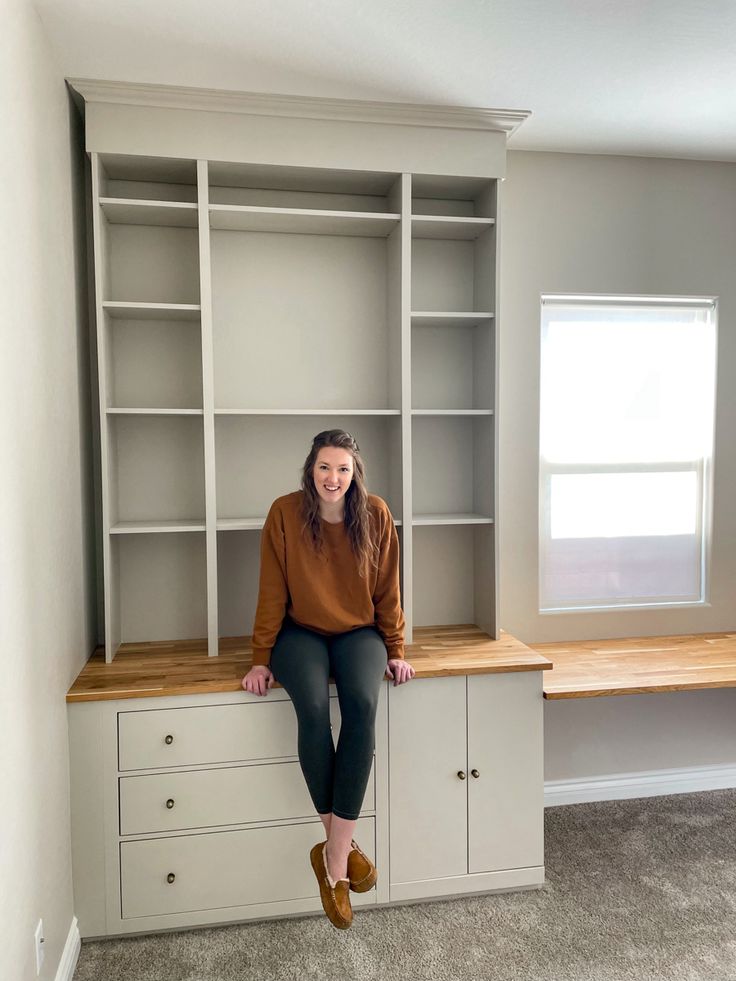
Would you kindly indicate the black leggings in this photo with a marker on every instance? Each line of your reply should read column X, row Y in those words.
column 302, row 661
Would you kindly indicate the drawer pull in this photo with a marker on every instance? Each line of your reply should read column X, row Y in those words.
column 169, row 740
column 475, row 773
column 170, row 803
column 170, row 877
column 461, row 774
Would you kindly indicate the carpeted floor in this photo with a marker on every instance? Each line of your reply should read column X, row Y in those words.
column 636, row 890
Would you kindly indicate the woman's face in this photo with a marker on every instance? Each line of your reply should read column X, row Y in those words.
column 332, row 473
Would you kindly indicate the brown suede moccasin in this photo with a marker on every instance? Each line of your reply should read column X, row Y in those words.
column 361, row 871
column 335, row 896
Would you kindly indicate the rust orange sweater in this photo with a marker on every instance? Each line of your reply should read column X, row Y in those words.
column 324, row 592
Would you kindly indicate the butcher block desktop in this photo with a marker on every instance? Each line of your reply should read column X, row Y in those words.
column 639, row 665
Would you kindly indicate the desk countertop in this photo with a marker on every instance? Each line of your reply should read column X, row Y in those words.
column 639, row 665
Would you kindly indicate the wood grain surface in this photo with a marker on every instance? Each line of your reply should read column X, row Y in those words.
column 183, row 667
column 639, row 665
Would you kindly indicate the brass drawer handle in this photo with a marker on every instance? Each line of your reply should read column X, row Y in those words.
column 461, row 774
column 170, row 803
column 170, row 877
column 169, row 740
column 475, row 773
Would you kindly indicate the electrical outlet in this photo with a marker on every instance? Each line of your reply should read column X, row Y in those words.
column 39, row 941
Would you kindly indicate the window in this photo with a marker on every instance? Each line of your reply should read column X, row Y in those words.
column 627, row 399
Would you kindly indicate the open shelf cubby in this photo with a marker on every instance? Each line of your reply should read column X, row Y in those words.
column 160, row 588
column 156, row 468
column 303, row 188
column 238, row 558
column 452, row 366
column 302, row 321
column 153, row 362
column 452, row 474
column 453, row 197
column 152, row 263
column 247, row 482
column 142, row 178
column 449, row 274
column 453, row 575
column 244, row 307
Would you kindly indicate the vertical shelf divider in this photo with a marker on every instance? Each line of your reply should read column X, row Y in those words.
column 407, row 511
column 485, row 275
column 208, row 403
column 495, row 631
column 110, row 570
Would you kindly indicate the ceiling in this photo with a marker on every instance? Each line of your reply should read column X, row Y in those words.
column 641, row 77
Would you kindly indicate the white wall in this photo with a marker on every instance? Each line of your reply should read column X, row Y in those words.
column 47, row 549
column 584, row 223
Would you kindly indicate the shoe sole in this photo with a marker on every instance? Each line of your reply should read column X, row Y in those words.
column 365, row 884
column 370, row 880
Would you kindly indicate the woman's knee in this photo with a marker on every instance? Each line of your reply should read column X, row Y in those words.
column 312, row 709
column 357, row 705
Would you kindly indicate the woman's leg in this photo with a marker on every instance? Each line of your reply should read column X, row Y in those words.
column 358, row 665
column 300, row 662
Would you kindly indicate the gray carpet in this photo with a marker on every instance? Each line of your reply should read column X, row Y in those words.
column 636, row 890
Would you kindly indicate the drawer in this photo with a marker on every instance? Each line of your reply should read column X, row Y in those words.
column 228, row 795
column 210, row 734
column 226, row 868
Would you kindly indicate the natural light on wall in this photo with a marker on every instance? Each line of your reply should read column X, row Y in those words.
column 627, row 394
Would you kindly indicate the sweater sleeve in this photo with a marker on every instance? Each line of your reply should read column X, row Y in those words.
column 273, row 591
column 390, row 620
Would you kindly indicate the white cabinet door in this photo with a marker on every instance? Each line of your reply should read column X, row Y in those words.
column 428, row 800
column 505, row 749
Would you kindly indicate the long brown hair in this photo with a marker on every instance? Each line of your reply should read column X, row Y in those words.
column 358, row 520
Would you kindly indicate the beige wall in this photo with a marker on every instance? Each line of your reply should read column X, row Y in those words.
column 46, row 555
column 585, row 223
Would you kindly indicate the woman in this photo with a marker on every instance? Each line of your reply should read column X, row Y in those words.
column 329, row 606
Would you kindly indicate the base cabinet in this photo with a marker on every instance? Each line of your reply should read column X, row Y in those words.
column 192, row 810
column 467, row 784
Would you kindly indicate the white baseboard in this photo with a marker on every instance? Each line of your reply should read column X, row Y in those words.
column 70, row 954
column 646, row 783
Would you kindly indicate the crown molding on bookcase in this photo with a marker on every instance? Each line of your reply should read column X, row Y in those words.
column 306, row 107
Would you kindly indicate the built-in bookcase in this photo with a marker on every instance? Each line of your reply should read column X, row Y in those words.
column 243, row 308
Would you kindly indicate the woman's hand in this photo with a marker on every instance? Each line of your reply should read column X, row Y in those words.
column 400, row 670
column 258, row 680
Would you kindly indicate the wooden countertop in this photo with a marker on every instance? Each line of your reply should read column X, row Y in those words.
column 638, row 665
column 183, row 667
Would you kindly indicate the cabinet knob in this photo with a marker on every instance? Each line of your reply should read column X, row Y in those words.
column 170, row 877
column 170, row 803
column 461, row 774
column 475, row 773
column 169, row 740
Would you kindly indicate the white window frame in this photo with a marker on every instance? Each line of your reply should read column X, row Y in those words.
column 702, row 467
